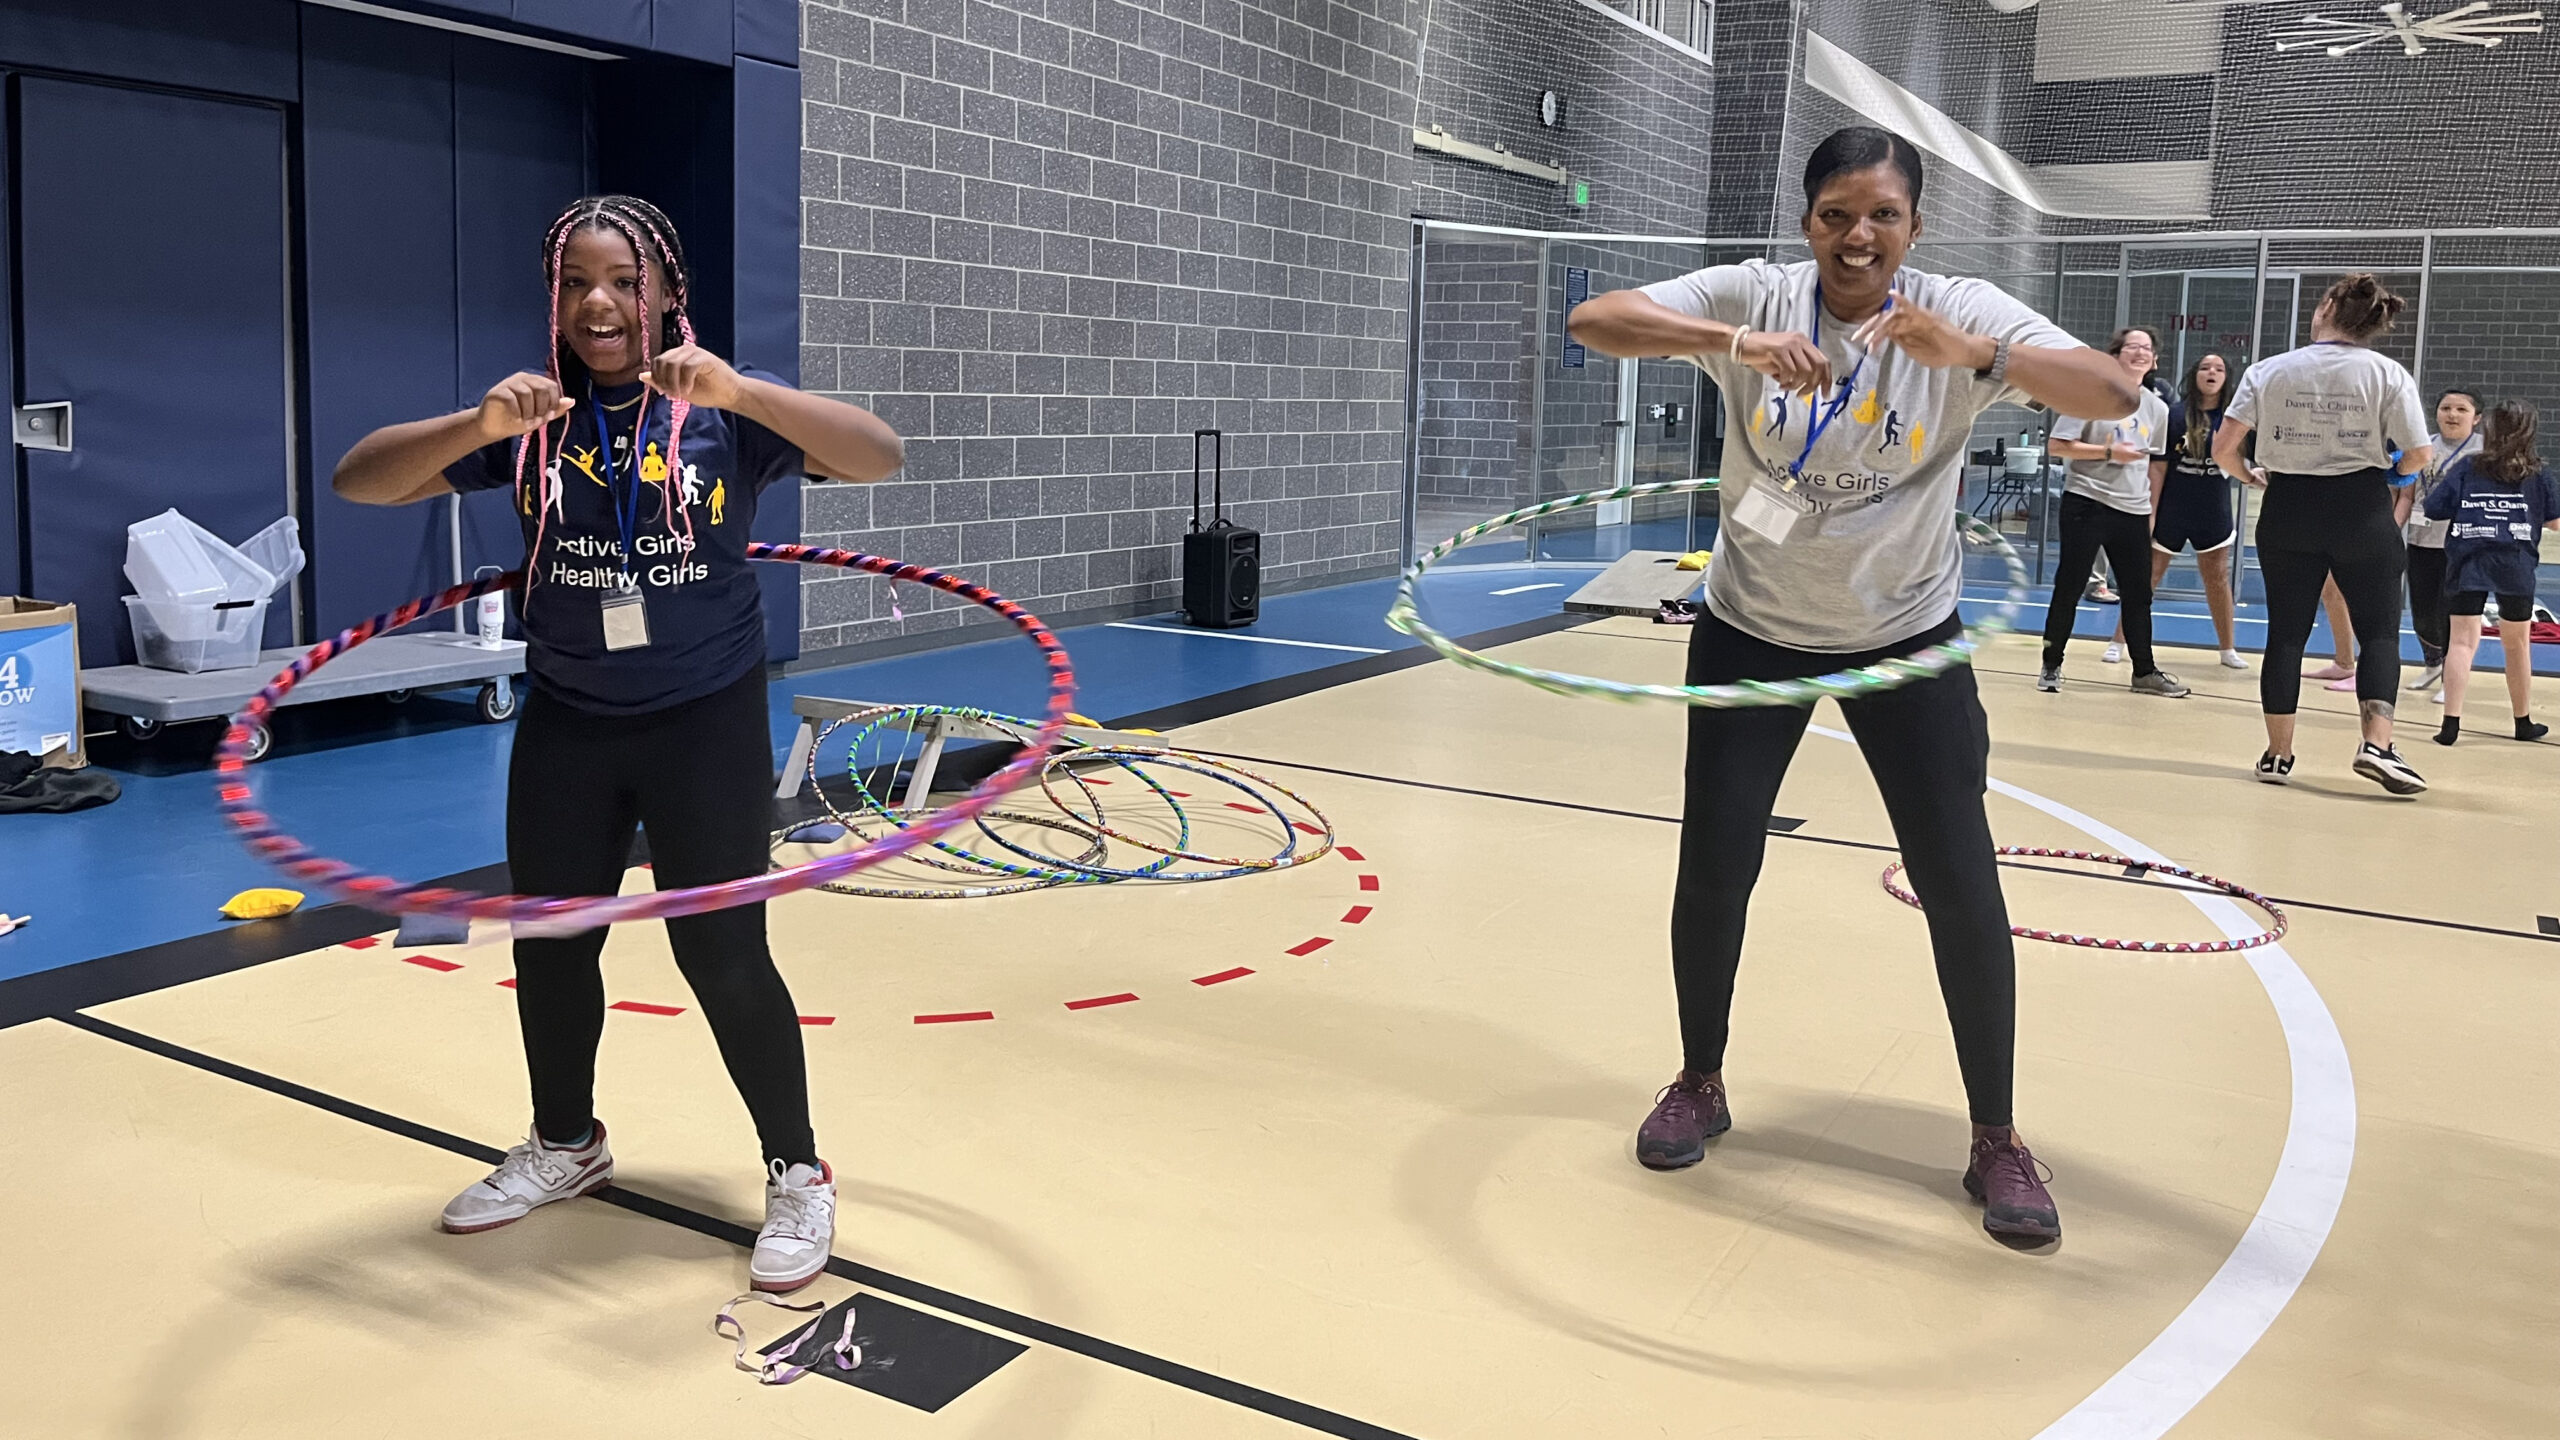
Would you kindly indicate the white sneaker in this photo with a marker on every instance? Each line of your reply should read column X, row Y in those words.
column 799, row 1228
column 2231, row 660
column 2113, row 654
column 533, row 1174
column 2429, row 678
column 2438, row 698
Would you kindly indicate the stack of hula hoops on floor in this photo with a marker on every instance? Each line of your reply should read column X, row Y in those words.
column 1113, row 813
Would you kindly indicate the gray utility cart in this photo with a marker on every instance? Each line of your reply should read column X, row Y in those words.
column 392, row 666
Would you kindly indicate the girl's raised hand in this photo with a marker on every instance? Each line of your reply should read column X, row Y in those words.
column 695, row 376
column 520, row 404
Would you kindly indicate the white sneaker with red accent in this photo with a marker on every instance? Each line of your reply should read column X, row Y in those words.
column 533, row 1174
column 799, row 1227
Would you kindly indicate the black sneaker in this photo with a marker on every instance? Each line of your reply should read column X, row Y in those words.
column 1688, row 1113
column 2382, row 765
column 2015, row 1204
column 2528, row 728
column 2275, row 769
column 2050, row 681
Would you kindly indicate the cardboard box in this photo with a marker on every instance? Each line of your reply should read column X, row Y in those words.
column 40, row 710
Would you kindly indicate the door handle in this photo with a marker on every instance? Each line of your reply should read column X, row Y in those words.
column 45, row 426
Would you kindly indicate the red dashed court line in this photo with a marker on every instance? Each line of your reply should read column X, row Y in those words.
column 1223, row 976
column 1100, row 1000
column 817, row 1019
column 1355, row 914
column 508, row 983
column 1309, row 947
column 1248, row 809
column 954, row 1019
column 643, row 1007
column 1350, row 854
column 364, row 942
column 430, row 962
column 1369, row 882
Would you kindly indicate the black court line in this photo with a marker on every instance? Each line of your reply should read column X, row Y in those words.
column 1787, row 828
column 994, row 1317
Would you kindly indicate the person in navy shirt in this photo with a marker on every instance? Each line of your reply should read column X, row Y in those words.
column 635, row 460
column 2495, row 505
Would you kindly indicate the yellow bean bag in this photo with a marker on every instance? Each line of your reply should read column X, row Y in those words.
column 261, row 904
column 1695, row 560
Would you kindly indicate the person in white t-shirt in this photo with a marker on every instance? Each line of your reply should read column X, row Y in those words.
column 2107, row 500
column 1850, row 385
column 2330, row 418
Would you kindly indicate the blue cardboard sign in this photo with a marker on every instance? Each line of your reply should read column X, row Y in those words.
column 1577, row 288
column 39, row 697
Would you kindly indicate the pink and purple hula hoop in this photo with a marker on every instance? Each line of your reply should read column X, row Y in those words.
column 555, row 914
column 2148, row 947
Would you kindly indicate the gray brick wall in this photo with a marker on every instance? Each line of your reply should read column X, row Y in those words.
column 1048, row 239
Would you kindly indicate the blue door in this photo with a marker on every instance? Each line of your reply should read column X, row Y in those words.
column 150, row 235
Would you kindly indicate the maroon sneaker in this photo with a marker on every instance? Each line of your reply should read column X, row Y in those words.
column 1688, row 1113
column 2015, row 1204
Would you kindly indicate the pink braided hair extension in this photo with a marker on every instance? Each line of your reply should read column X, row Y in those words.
column 539, row 441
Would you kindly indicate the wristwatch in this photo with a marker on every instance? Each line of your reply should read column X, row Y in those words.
column 1998, row 370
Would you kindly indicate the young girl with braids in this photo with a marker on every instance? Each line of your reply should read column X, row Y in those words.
column 636, row 458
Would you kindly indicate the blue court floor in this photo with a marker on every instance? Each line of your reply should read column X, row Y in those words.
column 419, row 791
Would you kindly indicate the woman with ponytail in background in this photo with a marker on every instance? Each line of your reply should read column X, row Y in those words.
column 2330, row 418
column 636, row 458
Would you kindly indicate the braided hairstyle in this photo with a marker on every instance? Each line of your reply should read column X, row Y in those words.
column 653, row 241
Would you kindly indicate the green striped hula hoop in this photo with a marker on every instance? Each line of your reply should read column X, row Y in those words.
column 1404, row 617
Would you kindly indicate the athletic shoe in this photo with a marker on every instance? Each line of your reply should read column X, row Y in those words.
column 2050, row 682
column 2160, row 683
column 2437, row 698
column 2100, row 594
column 533, row 1174
column 2382, row 765
column 2349, row 683
column 2331, row 671
column 2231, row 661
column 2275, row 769
column 2528, row 728
column 2113, row 654
column 2429, row 678
column 2015, row 1204
column 1688, row 1113
column 2450, row 731
column 799, row 1227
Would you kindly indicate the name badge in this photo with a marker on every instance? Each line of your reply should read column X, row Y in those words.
column 626, row 619
column 1769, row 511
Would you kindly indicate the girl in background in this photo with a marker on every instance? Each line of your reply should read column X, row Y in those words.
column 2494, row 505
column 2194, row 504
column 2457, row 422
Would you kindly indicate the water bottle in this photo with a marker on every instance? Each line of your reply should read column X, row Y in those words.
column 493, row 612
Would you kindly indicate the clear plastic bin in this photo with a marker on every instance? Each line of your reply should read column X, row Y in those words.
column 276, row 550
column 195, row 636
column 163, row 559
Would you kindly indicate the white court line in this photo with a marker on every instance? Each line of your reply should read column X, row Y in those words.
column 2181, row 1365
column 1525, row 589
column 1256, row 639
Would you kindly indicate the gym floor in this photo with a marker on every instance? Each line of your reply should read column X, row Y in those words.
column 1377, row 1186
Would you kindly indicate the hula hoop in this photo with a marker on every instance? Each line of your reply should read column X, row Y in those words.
column 2152, row 947
column 1216, row 769
column 537, row 914
column 1404, row 616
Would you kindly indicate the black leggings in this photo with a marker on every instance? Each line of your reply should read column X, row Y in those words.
column 2088, row 527
column 2427, row 614
column 2310, row 528
column 700, row 777
column 1928, row 745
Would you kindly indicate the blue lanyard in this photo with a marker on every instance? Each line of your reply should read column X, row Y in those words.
column 1816, row 423
column 626, row 513
column 2445, row 465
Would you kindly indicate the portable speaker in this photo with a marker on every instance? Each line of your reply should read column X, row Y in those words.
column 1221, row 563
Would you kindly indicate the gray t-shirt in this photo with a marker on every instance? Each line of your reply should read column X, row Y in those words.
column 2429, row 534
column 2118, row 484
column 1874, row 559
column 2329, row 409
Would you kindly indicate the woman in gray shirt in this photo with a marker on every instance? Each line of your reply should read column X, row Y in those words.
column 1850, row 387
column 2329, row 417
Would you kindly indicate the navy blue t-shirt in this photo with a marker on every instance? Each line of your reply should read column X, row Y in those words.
column 2497, row 528
column 705, row 613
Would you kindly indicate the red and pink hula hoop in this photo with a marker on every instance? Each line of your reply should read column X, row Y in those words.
column 2149, row 947
column 556, row 914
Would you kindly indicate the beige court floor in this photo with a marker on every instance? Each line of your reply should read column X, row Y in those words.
column 1391, row 1176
